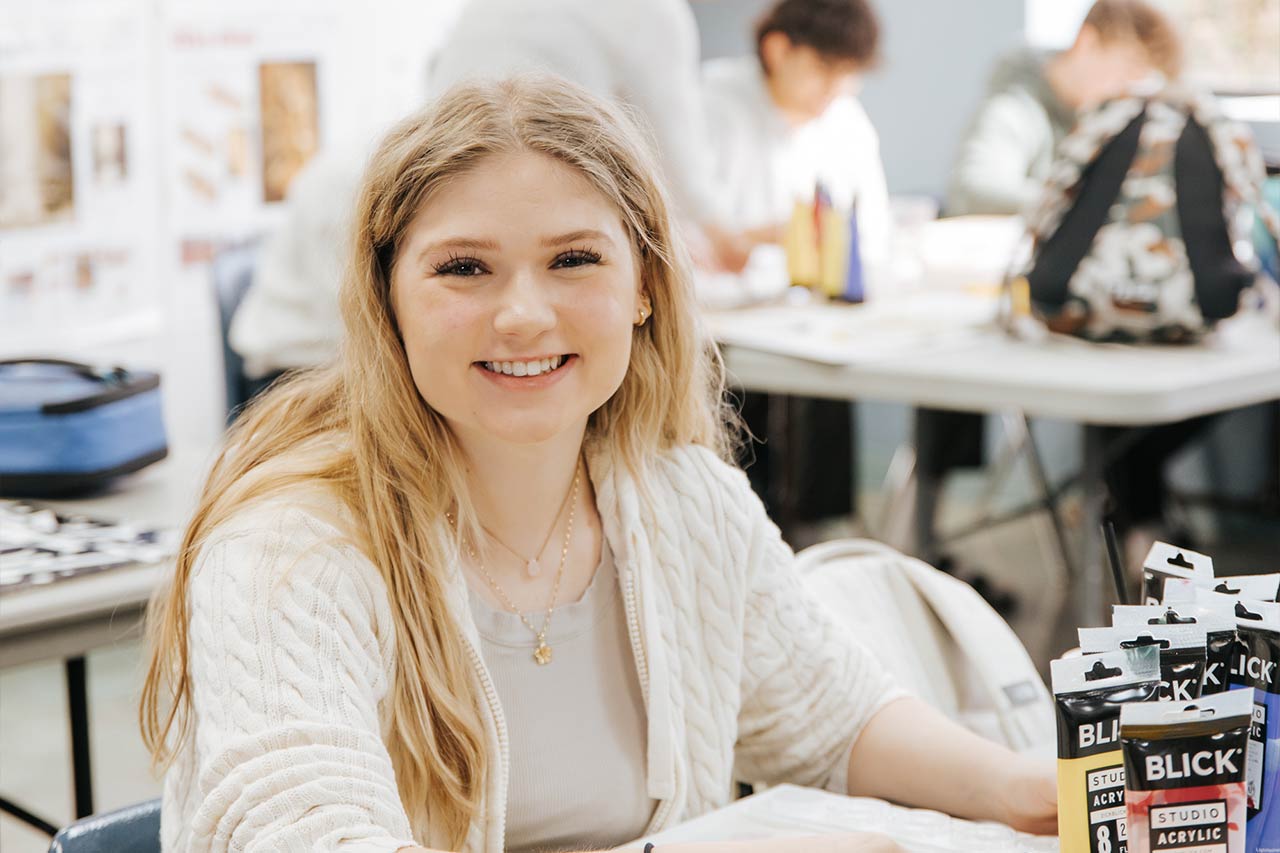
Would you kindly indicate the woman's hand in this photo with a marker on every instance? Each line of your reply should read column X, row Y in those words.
column 1027, row 797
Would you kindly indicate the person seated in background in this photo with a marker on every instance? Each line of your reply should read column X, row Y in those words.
column 1033, row 99
column 644, row 53
column 486, row 582
column 787, row 118
column 782, row 121
column 1032, row 102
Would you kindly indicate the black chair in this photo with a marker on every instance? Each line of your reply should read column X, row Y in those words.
column 132, row 829
column 232, row 274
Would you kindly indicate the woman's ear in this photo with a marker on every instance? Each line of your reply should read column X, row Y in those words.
column 644, row 309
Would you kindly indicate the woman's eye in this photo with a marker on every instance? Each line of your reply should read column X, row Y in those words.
column 460, row 267
column 576, row 258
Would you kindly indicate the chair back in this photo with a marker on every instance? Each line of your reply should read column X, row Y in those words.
column 232, row 275
column 941, row 641
column 132, row 829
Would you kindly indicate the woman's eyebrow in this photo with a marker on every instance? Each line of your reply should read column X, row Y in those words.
column 573, row 236
column 457, row 244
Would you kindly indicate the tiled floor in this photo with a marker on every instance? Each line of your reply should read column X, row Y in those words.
column 35, row 763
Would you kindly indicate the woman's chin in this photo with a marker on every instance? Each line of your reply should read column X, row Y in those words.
column 526, row 431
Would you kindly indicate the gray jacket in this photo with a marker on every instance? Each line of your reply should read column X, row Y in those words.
column 1006, row 152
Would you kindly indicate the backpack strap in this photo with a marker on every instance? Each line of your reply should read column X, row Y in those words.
column 1099, row 187
column 1218, row 274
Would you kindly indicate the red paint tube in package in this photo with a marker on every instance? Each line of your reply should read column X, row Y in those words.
column 1185, row 767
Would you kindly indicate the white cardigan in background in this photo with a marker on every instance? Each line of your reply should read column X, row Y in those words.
column 643, row 53
column 293, row 651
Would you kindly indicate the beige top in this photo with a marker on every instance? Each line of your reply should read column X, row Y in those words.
column 577, row 725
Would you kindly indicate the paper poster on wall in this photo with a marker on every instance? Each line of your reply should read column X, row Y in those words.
column 290, row 123
column 78, row 196
column 37, row 181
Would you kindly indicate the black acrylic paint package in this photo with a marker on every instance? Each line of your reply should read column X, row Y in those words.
column 1184, row 770
column 1258, row 587
column 1183, row 652
column 1215, row 615
column 1088, row 693
column 1255, row 665
column 1165, row 561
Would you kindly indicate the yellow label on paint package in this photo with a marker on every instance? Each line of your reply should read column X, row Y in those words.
column 1091, row 815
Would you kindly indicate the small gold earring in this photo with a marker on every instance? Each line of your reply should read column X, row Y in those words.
column 642, row 314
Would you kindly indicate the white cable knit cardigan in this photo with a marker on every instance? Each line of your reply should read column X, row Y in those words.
column 292, row 651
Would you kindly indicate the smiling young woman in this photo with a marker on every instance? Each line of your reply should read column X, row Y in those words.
column 357, row 651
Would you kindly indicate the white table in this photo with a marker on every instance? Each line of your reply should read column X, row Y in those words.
column 790, row 811
column 969, row 366
column 68, row 618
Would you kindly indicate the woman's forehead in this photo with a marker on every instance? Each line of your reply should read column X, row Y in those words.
column 523, row 197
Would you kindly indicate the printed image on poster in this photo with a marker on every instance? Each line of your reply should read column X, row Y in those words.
column 110, row 154
column 290, row 123
column 37, row 185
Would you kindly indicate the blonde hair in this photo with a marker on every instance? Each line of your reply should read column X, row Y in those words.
column 1144, row 24
column 395, row 464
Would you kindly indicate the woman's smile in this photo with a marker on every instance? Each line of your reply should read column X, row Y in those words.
column 527, row 375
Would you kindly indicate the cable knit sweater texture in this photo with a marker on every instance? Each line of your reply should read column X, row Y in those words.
column 293, row 651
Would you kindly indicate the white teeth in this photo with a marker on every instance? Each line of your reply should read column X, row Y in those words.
column 525, row 368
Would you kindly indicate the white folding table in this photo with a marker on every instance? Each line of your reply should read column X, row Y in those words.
column 971, row 365
column 66, row 619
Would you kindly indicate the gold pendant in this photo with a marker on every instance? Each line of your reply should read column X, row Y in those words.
column 542, row 654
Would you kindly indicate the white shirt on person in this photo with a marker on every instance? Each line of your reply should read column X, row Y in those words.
column 641, row 52
column 764, row 165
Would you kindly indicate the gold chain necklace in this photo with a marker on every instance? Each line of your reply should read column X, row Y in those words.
column 531, row 566
column 541, row 654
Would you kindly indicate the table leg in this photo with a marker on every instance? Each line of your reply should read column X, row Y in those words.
column 78, row 705
column 781, row 462
column 1090, row 587
column 928, row 492
column 16, row 811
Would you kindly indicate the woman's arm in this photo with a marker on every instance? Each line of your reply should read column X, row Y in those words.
column 853, row 842
column 912, row 754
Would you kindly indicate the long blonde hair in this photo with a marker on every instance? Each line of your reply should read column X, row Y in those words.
column 393, row 461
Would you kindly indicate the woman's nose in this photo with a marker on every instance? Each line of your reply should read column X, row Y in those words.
column 525, row 306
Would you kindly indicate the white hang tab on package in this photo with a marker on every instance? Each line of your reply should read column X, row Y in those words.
column 1182, row 652
column 1165, row 561
column 1217, row 617
column 1258, row 587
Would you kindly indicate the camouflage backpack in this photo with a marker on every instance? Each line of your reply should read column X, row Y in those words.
column 1142, row 233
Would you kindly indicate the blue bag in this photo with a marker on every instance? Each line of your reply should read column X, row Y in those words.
column 68, row 428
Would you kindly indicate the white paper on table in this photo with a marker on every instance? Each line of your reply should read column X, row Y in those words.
column 789, row 810
column 854, row 334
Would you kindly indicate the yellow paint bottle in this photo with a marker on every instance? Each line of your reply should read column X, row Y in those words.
column 801, row 245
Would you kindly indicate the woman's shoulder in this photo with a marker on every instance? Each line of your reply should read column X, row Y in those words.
column 291, row 542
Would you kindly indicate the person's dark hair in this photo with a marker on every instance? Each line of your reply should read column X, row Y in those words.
column 839, row 30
